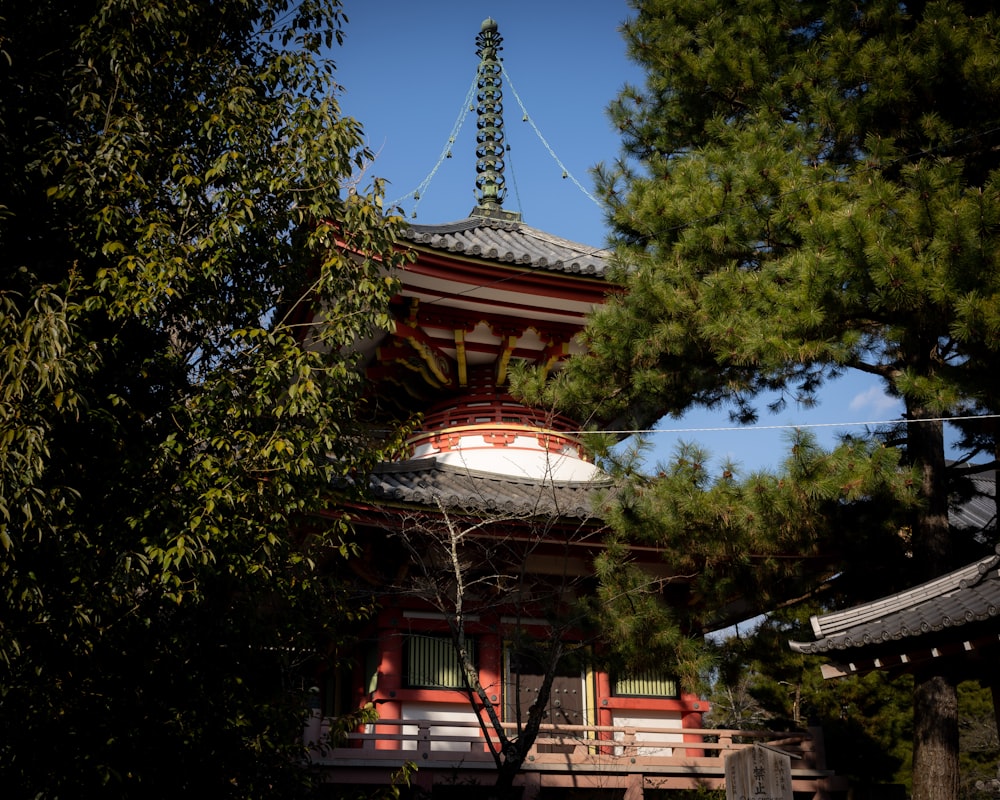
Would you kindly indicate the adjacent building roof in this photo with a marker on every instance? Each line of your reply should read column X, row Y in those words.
column 960, row 610
column 977, row 513
column 426, row 482
column 511, row 242
column 970, row 594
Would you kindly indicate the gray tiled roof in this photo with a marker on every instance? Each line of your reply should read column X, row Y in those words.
column 426, row 482
column 966, row 596
column 976, row 513
column 512, row 243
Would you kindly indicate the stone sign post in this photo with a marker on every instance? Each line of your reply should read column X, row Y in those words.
column 758, row 773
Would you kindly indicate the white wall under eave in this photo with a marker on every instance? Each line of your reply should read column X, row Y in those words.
column 516, row 462
column 519, row 454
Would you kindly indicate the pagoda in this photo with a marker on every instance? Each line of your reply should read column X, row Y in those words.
column 482, row 294
column 513, row 487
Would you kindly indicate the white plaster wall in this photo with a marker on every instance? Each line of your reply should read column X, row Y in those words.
column 442, row 713
column 659, row 719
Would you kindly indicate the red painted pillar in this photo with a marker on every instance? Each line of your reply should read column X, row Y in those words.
column 605, row 716
column 390, row 681
column 491, row 673
column 692, row 718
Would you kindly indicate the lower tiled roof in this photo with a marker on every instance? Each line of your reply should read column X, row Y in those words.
column 425, row 482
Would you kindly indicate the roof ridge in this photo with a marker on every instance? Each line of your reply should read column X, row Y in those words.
column 464, row 224
column 583, row 249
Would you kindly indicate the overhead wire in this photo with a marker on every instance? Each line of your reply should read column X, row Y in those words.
column 781, row 427
column 527, row 118
column 456, row 128
column 467, row 106
column 792, row 426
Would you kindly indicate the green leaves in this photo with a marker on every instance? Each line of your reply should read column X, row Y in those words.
column 748, row 541
column 805, row 188
column 814, row 182
column 778, row 689
column 171, row 424
column 38, row 369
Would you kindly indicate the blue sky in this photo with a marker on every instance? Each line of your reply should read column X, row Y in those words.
column 407, row 67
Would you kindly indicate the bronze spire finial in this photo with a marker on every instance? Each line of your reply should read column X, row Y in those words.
column 490, row 183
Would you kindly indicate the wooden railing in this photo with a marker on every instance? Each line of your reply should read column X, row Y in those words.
column 671, row 757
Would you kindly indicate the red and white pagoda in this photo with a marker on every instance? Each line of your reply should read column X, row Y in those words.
column 481, row 294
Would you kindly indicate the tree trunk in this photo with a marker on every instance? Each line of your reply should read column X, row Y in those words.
column 935, row 737
column 504, row 788
column 517, row 750
column 932, row 550
column 935, row 693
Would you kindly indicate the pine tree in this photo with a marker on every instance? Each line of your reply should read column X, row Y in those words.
column 809, row 188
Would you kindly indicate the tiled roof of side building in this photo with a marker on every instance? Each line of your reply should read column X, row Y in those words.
column 511, row 243
column 977, row 513
column 425, row 482
column 966, row 596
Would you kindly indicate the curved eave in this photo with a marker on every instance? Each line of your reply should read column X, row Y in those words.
column 486, row 289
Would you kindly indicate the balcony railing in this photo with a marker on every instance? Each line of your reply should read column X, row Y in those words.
column 595, row 756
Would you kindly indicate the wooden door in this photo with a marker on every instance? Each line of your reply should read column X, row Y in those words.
column 566, row 704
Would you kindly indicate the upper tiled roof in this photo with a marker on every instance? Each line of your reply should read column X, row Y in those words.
column 426, row 482
column 511, row 243
column 967, row 595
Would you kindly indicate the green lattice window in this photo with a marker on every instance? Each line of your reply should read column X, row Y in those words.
column 650, row 683
column 432, row 663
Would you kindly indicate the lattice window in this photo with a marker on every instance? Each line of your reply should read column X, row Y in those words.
column 650, row 683
column 432, row 662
